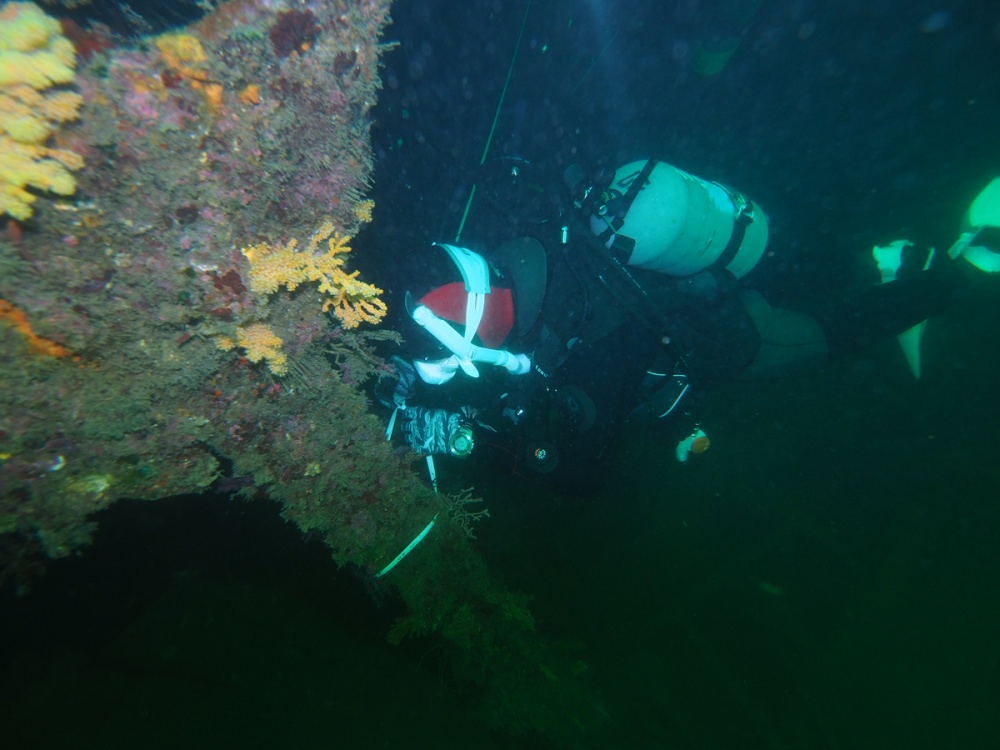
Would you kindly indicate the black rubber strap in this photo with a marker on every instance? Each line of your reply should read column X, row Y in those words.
column 622, row 204
column 633, row 189
column 741, row 221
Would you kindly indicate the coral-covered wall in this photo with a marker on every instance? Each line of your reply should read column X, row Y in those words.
column 190, row 320
column 202, row 147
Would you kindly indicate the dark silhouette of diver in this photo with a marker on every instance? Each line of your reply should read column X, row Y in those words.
column 631, row 299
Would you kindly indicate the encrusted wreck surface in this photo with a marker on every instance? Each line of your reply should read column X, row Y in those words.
column 162, row 334
column 249, row 129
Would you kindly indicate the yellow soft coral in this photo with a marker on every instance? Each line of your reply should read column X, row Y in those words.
column 184, row 54
column 34, row 56
column 363, row 210
column 260, row 342
column 352, row 301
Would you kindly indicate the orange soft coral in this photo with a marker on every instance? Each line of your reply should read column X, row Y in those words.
column 38, row 345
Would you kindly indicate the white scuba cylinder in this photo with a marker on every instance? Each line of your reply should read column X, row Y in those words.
column 681, row 224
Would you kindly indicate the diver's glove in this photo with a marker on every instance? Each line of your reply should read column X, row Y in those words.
column 405, row 387
column 436, row 432
column 697, row 442
column 980, row 248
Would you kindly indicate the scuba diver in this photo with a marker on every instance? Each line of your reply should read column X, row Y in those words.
column 627, row 307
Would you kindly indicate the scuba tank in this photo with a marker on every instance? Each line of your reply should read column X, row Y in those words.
column 659, row 218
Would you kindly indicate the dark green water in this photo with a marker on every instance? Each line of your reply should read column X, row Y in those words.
column 826, row 576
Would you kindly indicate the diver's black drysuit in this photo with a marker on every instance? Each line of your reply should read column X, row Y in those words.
column 612, row 344
column 609, row 342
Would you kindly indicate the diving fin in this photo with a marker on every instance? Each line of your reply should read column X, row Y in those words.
column 985, row 209
column 889, row 259
column 983, row 217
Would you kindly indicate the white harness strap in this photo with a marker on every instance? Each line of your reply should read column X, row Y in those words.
column 476, row 275
column 474, row 308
